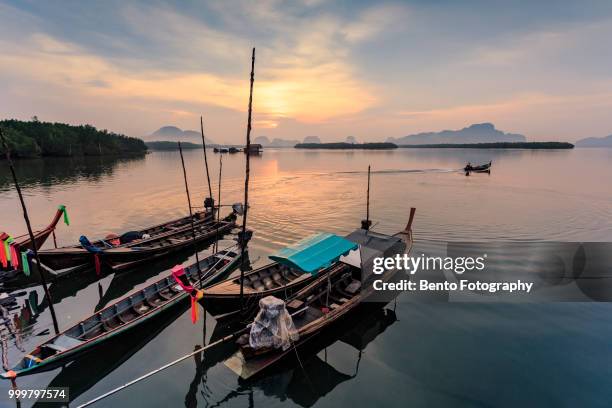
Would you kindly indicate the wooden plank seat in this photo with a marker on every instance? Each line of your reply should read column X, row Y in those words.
column 276, row 276
column 141, row 308
column 295, row 305
column 268, row 283
column 176, row 240
column 154, row 301
column 338, row 299
column 258, row 286
column 111, row 324
column 166, row 294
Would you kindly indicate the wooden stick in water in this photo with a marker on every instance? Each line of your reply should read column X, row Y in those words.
column 193, row 233
column 368, row 199
column 219, row 204
column 43, row 280
column 246, row 184
column 365, row 224
column 206, row 161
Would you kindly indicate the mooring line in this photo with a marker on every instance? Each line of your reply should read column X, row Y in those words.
column 178, row 360
column 162, row 368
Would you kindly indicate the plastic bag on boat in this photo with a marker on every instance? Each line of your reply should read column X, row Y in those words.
column 273, row 327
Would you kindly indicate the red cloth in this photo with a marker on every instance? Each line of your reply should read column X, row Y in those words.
column 194, row 310
column 177, row 272
column 3, row 258
column 14, row 256
column 98, row 264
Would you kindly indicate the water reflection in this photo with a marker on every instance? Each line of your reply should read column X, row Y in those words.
column 83, row 373
column 61, row 170
column 309, row 376
column 529, row 196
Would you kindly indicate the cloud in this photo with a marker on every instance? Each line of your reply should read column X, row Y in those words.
column 305, row 76
column 374, row 20
column 321, row 68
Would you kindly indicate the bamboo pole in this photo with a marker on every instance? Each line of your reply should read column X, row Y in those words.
column 365, row 224
column 43, row 280
column 246, row 183
column 193, row 234
column 368, row 199
column 206, row 162
column 219, row 204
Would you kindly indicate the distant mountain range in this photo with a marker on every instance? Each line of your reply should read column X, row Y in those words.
column 278, row 142
column 312, row 139
column 595, row 142
column 477, row 133
column 173, row 133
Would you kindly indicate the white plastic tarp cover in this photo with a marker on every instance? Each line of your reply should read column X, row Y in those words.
column 273, row 327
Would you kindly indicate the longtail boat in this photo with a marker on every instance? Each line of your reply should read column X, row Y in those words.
column 325, row 300
column 11, row 248
column 275, row 279
column 138, row 246
column 288, row 381
column 122, row 316
column 478, row 169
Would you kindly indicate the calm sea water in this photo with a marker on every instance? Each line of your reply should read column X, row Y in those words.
column 422, row 354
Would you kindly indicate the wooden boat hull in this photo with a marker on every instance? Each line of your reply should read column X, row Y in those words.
column 113, row 320
column 247, row 367
column 311, row 321
column 478, row 169
column 121, row 260
column 223, row 299
column 23, row 242
column 131, row 254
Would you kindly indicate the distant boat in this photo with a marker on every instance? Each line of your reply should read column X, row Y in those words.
column 254, row 148
column 478, row 169
column 234, row 150
column 221, row 150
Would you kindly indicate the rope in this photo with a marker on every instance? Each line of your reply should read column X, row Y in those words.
column 170, row 364
column 162, row 368
column 310, row 384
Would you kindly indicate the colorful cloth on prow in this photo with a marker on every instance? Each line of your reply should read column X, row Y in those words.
column 3, row 253
column 62, row 208
column 7, row 249
column 25, row 262
column 14, row 249
column 178, row 273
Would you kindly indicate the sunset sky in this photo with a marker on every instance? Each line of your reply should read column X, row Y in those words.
column 331, row 69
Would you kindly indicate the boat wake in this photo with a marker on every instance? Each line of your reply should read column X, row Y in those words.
column 399, row 171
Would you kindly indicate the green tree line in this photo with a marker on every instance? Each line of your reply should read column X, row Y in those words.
column 36, row 139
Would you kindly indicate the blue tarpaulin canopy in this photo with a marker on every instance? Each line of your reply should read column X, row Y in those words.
column 315, row 252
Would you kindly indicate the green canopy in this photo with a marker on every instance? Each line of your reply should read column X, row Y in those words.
column 315, row 252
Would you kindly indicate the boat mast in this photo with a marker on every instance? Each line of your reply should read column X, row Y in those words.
column 365, row 224
column 206, row 164
column 43, row 280
column 219, row 204
column 246, row 184
column 193, row 234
